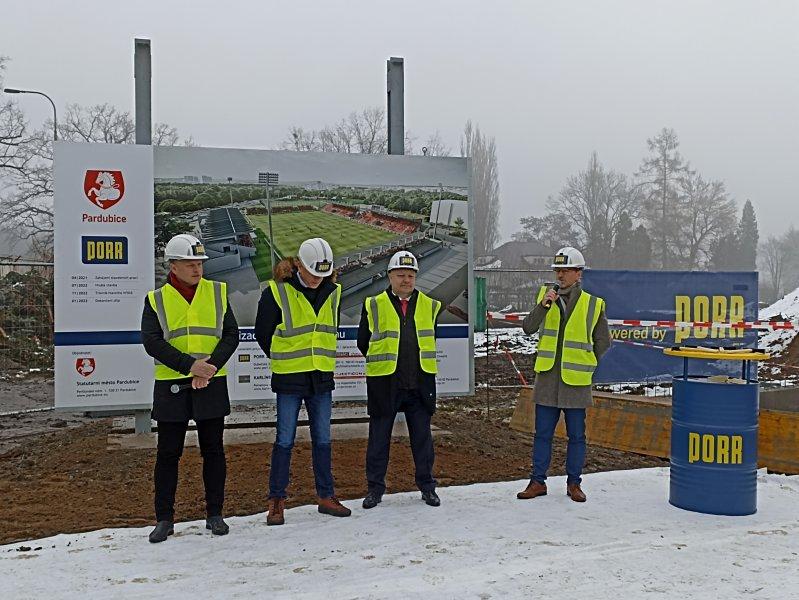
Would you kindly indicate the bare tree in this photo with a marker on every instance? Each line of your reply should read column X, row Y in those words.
column 436, row 146
column 484, row 187
column 550, row 230
column 774, row 255
column 368, row 130
column 301, row 140
column 707, row 214
column 360, row 132
column 99, row 123
column 594, row 200
column 28, row 203
column 164, row 135
column 26, row 162
column 13, row 131
column 660, row 174
column 107, row 124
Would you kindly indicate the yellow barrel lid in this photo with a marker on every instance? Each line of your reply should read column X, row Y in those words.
column 717, row 353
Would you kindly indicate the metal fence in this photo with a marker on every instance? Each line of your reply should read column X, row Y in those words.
column 26, row 317
column 512, row 289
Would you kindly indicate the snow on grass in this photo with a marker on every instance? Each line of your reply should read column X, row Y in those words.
column 625, row 542
column 512, row 339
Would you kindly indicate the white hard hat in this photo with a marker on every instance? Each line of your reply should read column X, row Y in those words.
column 568, row 258
column 184, row 246
column 317, row 256
column 403, row 260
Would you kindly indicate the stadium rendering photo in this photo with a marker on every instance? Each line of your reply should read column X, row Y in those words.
column 365, row 223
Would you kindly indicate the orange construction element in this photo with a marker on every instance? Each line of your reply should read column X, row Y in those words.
column 643, row 425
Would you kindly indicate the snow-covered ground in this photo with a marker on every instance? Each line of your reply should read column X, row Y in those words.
column 512, row 339
column 626, row 542
column 784, row 309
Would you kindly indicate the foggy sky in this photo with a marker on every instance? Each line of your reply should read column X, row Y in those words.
column 551, row 81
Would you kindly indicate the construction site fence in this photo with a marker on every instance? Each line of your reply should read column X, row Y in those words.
column 26, row 317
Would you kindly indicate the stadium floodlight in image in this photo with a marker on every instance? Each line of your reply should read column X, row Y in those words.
column 268, row 178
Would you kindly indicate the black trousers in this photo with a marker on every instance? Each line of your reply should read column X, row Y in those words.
column 171, row 436
column 377, row 449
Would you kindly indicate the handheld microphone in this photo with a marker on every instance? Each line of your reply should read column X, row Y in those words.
column 555, row 288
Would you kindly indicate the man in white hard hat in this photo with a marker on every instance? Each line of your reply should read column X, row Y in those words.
column 189, row 329
column 297, row 328
column 397, row 337
column 573, row 335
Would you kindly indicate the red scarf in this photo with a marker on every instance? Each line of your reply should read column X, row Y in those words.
column 185, row 290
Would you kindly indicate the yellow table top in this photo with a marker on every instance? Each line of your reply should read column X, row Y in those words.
column 717, row 353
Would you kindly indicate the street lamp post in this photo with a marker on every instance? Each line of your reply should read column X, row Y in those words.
column 55, row 113
column 269, row 179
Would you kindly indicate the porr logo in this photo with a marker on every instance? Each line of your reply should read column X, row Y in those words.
column 104, row 188
column 84, row 366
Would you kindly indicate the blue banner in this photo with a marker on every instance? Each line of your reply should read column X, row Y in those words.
column 637, row 352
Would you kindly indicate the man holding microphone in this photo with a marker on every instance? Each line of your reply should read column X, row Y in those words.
column 573, row 335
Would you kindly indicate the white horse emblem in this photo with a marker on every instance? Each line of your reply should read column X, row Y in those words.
column 107, row 190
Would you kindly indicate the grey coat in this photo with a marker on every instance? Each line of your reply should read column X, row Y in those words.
column 549, row 387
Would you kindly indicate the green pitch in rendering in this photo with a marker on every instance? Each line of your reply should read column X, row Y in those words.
column 290, row 229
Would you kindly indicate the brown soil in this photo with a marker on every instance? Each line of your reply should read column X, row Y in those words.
column 68, row 481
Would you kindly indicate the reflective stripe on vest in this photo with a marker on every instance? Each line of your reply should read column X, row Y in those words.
column 578, row 361
column 304, row 341
column 384, row 324
column 194, row 329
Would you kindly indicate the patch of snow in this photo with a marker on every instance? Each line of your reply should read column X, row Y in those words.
column 512, row 339
column 784, row 309
column 625, row 542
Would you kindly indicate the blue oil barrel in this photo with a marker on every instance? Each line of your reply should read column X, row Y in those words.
column 714, row 447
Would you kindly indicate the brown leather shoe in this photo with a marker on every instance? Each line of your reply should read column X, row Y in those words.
column 574, row 492
column 331, row 506
column 533, row 490
column 275, row 514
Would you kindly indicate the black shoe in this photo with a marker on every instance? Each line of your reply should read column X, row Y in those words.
column 217, row 525
column 372, row 499
column 163, row 529
column 431, row 498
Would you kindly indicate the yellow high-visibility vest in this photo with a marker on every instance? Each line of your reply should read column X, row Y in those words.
column 384, row 323
column 304, row 341
column 195, row 328
column 578, row 361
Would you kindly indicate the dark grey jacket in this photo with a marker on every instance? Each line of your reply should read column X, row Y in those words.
column 549, row 387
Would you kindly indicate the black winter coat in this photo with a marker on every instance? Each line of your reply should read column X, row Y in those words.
column 381, row 391
column 269, row 316
column 210, row 402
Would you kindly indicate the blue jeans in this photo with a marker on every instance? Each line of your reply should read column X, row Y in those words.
column 320, row 408
column 546, row 419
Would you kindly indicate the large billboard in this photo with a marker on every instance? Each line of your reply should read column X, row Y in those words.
column 103, row 269
column 366, row 206
column 685, row 296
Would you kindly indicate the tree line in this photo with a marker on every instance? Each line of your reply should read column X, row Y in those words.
column 26, row 159
column 364, row 132
column 665, row 216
